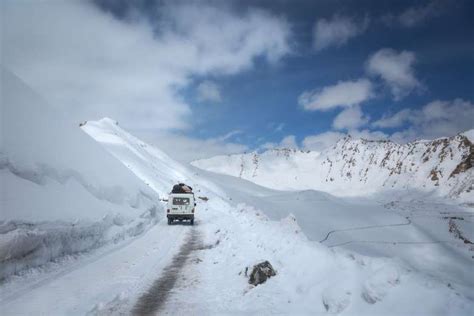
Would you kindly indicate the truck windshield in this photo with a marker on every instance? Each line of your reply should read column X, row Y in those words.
column 180, row 201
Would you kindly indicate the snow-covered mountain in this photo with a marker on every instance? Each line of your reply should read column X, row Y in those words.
column 360, row 167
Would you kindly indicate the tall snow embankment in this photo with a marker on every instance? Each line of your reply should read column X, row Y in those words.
column 61, row 192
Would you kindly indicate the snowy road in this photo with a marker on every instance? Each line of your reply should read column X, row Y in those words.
column 112, row 279
column 154, row 298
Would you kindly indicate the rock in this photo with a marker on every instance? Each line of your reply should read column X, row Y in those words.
column 261, row 272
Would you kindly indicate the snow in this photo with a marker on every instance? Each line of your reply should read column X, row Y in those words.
column 400, row 224
column 351, row 255
column 77, row 289
column 469, row 134
column 357, row 167
column 59, row 188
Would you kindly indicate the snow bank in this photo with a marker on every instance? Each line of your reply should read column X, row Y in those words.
column 51, row 171
column 26, row 245
column 39, row 143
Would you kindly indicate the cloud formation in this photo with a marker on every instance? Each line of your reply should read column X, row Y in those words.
column 395, row 120
column 208, row 91
column 337, row 31
column 92, row 65
column 342, row 94
column 436, row 119
column 396, row 69
column 187, row 148
column 350, row 118
column 416, row 15
column 322, row 141
column 288, row 141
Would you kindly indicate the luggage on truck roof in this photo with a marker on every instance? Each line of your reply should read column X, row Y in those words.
column 182, row 188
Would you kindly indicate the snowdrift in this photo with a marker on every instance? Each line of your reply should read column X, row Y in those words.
column 61, row 193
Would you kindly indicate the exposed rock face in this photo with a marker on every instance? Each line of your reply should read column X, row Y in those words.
column 359, row 166
column 261, row 272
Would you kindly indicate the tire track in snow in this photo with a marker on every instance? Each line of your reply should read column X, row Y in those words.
column 154, row 298
column 408, row 222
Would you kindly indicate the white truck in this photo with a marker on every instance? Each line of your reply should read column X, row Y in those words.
column 181, row 207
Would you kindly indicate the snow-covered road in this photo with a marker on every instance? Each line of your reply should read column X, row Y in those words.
column 118, row 275
column 155, row 297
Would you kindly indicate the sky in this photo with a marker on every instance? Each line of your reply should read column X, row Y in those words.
column 202, row 78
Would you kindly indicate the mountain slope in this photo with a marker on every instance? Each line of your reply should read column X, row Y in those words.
column 361, row 167
column 151, row 165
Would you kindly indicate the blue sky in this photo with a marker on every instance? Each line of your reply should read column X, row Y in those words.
column 443, row 46
column 199, row 78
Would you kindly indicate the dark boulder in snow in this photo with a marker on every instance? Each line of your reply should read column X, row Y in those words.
column 261, row 272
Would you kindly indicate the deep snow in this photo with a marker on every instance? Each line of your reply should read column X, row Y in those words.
column 409, row 226
column 239, row 225
column 61, row 193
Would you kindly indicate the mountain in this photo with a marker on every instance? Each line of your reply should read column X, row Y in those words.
column 361, row 167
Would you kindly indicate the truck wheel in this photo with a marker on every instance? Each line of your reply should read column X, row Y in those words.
column 192, row 221
column 169, row 221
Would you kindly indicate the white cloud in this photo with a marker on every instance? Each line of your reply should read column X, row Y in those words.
column 398, row 119
column 229, row 135
column 287, row 142
column 435, row 119
column 276, row 127
column 325, row 140
column 396, row 69
column 368, row 135
column 350, row 118
column 416, row 15
column 280, row 127
column 93, row 65
column 321, row 141
column 336, row 31
column 208, row 91
column 187, row 149
column 342, row 94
